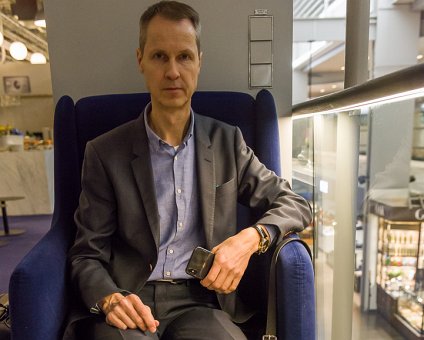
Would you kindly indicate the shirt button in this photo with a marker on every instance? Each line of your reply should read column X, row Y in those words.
column 180, row 224
column 171, row 251
column 179, row 191
column 168, row 274
column 176, row 158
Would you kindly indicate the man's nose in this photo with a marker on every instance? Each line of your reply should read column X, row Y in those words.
column 172, row 71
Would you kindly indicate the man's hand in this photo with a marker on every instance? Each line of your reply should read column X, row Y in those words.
column 231, row 260
column 128, row 312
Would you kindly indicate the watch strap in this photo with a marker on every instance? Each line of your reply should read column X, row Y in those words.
column 265, row 240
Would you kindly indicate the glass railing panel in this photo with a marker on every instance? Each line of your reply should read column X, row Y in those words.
column 384, row 253
column 302, row 168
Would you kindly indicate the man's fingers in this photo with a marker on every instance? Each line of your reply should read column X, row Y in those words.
column 128, row 308
column 146, row 315
column 113, row 320
column 211, row 277
column 130, row 312
column 121, row 314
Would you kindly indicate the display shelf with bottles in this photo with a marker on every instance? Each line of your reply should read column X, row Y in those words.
column 400, row 259
column 399, row 251
column 398, row 245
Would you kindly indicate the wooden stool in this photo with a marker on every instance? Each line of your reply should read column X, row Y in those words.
column 7, row 231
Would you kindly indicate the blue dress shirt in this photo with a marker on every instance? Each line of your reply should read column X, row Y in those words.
column 175, row 177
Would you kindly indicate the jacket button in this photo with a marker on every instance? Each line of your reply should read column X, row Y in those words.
column 151, row 267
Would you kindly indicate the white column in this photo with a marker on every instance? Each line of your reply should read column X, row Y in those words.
column 357, row 33
column 397, row 34
column 300, row 87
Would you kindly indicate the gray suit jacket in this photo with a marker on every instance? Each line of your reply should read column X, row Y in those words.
column 117, row 239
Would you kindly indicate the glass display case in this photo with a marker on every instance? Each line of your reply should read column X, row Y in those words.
column 400, row 264
column 397, row 258
column 400, row 253
column 411, row 307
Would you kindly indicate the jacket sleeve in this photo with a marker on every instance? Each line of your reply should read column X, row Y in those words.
column 95, row 219
column 262, row 189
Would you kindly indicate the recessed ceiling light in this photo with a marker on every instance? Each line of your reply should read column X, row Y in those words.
column 420, row 56
column 322, row 90
column 334, row 86
column 342, row 68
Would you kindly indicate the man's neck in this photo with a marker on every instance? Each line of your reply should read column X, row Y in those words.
column 170, row 126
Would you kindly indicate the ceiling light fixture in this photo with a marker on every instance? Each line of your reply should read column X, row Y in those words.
column 40, row 23
column 38, row 58
column 18, row 50
column 420, row 56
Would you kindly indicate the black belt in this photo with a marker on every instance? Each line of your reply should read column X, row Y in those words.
column 188, row 283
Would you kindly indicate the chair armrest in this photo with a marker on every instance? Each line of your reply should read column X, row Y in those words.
column 295, row 293
column 37, row 290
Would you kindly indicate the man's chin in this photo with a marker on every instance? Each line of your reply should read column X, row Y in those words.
column 175, row 103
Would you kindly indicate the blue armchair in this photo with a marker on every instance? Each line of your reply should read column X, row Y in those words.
column 40, row 292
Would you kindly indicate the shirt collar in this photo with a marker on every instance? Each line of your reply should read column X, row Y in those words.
column 155, row 140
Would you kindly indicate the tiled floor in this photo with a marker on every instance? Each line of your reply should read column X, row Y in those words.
column 371, row 326
column 365, row 326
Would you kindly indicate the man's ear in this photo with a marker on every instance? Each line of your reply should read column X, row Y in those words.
column 200, row 60
column 140, row 60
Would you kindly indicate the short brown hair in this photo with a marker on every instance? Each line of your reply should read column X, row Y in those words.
column 172, row 10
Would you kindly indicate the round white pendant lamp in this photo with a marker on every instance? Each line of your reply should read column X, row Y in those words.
column 18, row 50
column 40, row 23
column 38, row 58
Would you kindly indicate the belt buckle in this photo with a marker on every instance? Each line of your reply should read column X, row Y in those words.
column 171, row 281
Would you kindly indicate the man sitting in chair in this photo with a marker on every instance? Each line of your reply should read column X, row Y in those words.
column 156, row 188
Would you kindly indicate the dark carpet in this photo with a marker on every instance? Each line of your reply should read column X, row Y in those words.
column 17, row 247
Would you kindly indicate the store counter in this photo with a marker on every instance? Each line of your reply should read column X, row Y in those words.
column 28, row 174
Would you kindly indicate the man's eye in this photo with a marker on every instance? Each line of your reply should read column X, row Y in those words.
column 158, row 56
column 185, row 57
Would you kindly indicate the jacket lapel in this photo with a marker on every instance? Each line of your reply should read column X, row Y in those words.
column 143, row 174
column 206, row 177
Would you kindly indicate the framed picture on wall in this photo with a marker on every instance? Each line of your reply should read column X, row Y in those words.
column 16, row 85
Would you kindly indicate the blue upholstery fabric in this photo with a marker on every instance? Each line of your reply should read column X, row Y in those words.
column 39, row 289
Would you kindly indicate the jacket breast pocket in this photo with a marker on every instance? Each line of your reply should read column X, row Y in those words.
column 226, row 188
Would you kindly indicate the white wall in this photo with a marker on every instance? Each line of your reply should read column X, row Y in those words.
column 36, row 109
column 39, row 76
column 92, row 46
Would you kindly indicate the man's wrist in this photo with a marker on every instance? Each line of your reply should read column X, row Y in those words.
column 264, row 238
column 104, row 304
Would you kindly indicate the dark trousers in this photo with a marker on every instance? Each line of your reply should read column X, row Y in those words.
column 185, row 311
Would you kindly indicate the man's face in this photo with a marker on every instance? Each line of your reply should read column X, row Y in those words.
column 170, row 63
